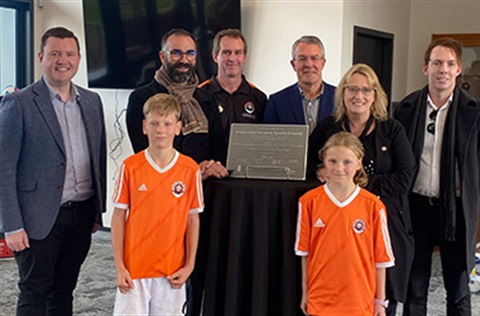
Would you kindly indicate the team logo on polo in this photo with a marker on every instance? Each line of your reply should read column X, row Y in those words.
column 178, row 188
column 359, row 226
column 249, row 107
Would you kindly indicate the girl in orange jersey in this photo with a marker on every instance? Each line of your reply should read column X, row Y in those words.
column 342, row 236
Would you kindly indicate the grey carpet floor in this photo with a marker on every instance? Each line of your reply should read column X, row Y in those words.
column 95, row 291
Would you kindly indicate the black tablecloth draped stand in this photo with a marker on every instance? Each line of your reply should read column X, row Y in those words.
column 250, row 264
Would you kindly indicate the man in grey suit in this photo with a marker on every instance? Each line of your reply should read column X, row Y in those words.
column 53, row 170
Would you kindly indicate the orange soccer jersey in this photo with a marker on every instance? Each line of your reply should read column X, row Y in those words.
column 345, row 242
column 159, row 202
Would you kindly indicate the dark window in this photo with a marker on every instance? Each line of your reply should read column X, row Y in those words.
column 16, row 43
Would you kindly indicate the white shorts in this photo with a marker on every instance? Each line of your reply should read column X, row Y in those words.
column 153, row 296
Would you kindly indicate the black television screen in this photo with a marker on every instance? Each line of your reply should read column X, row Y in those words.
column 123, row 37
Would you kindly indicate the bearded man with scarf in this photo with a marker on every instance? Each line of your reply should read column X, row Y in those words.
column 202, row 136
column 443, row 126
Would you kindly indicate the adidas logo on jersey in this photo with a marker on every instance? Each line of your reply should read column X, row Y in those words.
column 143, row 187
column 319, row 223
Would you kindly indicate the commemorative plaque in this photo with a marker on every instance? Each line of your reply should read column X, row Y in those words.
column 268, row 151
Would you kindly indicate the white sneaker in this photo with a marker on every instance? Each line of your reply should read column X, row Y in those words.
column 474, row 283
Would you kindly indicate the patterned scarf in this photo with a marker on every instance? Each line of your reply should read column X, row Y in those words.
column 193, row 118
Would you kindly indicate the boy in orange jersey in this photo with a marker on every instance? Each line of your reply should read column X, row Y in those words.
column 342, row 236
column 155, row 224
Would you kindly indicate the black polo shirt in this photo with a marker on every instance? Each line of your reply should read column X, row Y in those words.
column 246, row 105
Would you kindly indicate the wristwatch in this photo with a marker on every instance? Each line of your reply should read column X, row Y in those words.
column 382, row 303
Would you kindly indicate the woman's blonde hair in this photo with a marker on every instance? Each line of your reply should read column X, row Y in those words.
column 350, row 141
column 379, row 106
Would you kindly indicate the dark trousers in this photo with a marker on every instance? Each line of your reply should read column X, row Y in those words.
column 425, row 220
column 392, row 308
column 49, row 269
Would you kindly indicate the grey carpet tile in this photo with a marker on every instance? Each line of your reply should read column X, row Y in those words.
column 95, row 293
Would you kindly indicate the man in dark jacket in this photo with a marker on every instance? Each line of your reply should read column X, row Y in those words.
column 443, row 126
column 202, row 135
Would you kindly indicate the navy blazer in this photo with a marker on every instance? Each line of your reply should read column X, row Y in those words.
column 285, row 106
column 33, row 158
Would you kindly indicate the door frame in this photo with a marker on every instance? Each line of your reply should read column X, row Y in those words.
column 387, row 63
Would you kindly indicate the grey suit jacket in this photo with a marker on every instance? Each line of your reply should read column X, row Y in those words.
column 33, row 158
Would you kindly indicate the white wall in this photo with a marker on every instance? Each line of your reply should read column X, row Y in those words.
column 390, row 16
column 272, row 26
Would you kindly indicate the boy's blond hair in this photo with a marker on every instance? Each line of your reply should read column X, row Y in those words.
column 350, row 141
column 162, row 104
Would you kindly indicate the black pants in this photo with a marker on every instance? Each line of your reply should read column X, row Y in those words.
column 392, row 308
column 49, row 269
column 425, row 220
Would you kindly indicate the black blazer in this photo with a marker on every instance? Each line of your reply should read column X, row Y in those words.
column 394, row 170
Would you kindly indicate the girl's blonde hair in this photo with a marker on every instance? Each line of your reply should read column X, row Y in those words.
column 350, row 141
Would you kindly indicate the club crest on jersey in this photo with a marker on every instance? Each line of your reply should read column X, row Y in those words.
column 249, row 107
column 178, row 188
column 359, row 226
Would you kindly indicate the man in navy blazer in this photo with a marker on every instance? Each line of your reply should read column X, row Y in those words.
column 53, row 169
column 310, row 99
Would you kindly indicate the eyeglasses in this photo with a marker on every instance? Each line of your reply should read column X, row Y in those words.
column 431, row 125
column 177, row 54
column 352, row 90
